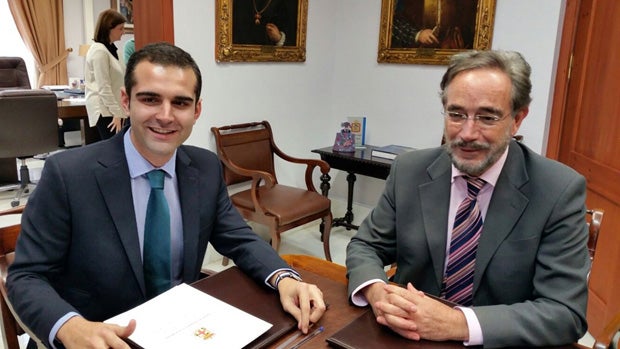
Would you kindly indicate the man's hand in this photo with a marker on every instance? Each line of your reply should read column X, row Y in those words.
column 427, row 38
column 303, row 301
column 411, row 314
column 80, row 333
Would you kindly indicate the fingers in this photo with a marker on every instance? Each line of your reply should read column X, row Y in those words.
column 303, row 301
column 127, row 330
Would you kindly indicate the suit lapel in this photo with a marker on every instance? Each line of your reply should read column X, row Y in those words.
column 506, row 206
column 188, row 182
column 115, row 187
column 435, row 195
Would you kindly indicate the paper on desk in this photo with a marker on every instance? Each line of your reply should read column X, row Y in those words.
column 184, row 317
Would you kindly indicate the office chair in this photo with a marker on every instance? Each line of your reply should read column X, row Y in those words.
column 13, row 73
column 29, row 121
column 247, row 152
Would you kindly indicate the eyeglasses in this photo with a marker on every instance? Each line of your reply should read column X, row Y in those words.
column 486, row 120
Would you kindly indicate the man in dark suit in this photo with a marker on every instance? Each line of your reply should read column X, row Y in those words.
column 79, row 255
column 523, row 280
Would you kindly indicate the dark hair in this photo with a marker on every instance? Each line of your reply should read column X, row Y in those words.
column 510, row 62
column 107, row 20
column 164, row 54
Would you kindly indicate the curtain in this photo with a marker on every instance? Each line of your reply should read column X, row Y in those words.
column 43, row 30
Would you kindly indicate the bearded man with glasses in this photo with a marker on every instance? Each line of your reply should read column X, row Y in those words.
column 482, row 222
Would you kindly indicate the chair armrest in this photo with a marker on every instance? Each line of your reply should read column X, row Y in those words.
column 311, row 164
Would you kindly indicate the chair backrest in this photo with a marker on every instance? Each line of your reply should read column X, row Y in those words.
column 594, row 218
column 29, row 123
column 249, row 146
column 13, row 73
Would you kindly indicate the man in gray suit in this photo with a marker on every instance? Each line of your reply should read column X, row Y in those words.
column 79, row 256
column 528, row 272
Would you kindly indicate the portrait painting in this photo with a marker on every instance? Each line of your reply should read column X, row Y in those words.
column 431, row 31
column 261, row 30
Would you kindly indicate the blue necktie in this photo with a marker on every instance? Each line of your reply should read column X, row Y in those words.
column 156, row 254
column 459, row 278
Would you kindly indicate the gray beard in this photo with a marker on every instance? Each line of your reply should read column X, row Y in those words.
column 476, row 169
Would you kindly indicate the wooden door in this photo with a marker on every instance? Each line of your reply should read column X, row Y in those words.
column 153, row 22
column 585, row 134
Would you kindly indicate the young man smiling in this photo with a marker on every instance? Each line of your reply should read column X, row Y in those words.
column 80, row 254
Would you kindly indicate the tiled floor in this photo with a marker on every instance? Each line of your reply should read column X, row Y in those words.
column 305, row 240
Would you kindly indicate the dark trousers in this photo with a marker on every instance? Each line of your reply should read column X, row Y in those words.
column 102, row 126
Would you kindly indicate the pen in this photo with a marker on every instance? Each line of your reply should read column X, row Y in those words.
column 308, row 337
column 291, row 339
column 286, row 343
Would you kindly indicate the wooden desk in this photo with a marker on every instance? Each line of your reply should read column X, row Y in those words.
column 359, row 162
column 72, row 111
column 338, row 316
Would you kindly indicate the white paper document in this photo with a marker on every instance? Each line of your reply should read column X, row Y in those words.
column 184, row 317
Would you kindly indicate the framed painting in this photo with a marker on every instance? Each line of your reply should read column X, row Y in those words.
column 260, row 30
column 125, row 7
column 431, row 31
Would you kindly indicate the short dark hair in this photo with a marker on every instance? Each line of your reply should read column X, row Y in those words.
column 107, row 20
column 164, row 54
column 510, row 62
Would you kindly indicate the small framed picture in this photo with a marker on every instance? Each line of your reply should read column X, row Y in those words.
column 125, row 7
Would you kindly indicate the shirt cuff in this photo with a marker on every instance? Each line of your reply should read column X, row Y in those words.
column 475, row 331
column 57, row 327
column 358, row 298
column 277, row 271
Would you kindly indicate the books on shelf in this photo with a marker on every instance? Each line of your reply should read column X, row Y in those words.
column 390, row 151
column 358, row 128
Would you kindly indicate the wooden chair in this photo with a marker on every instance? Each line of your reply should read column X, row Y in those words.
column 330, row 270
column 12, row 327
column 8, row 237
column 594, row 217
column 608, row 338
column 247, row 152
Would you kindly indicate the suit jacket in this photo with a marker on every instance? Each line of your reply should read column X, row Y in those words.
column 78, row 249
column 530, row 279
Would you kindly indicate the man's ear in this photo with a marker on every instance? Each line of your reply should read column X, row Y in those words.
column 521, row 114
column 198, row 110
column 125, row 101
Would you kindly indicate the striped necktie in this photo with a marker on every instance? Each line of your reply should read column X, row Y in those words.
column 459, row 278
column 156, row 254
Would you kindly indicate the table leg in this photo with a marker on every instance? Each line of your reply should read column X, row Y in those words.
column 325, row 178
column 347, row 220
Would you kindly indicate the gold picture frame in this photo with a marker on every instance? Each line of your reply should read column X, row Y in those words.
column 242, row 36
column 125, row 7
column 406, row 25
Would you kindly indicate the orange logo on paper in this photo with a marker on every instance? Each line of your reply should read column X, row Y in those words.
column 203, row 333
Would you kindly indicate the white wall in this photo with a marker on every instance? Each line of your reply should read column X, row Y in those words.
column 305, row 102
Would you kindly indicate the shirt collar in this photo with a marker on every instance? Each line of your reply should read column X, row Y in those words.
column 138, row 165
column 490, row 175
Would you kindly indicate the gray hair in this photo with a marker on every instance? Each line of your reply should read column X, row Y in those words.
column 510, row 62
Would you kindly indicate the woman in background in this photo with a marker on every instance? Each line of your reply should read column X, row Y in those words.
column 104, row 74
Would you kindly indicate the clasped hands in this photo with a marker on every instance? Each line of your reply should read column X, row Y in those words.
column 415, row 316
